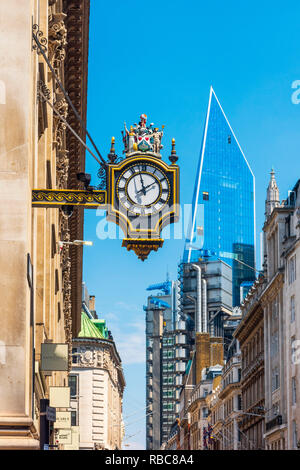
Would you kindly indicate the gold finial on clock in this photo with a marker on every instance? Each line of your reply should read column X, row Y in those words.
column 112, row 154
column 173, row 157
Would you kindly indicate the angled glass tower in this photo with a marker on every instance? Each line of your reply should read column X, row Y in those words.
column 222, row 224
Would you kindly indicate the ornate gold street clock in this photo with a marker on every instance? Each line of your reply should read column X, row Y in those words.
column 143, row 190
column 141, row 194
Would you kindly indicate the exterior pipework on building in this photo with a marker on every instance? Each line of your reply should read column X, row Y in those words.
column 166, row 357
column 216, row 296
column 223, row 214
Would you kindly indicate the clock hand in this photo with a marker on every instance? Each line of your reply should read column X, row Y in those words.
column 146, row 187
column 143, row 187
column 136, row 192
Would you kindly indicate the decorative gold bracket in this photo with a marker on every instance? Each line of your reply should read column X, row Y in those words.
column 69, row 197
column 142, row 246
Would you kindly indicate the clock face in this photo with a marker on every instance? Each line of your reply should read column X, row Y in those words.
column 143, row 189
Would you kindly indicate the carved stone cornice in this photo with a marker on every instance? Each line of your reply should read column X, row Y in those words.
column 75, row 82
column 270, row 221
column 42, row 88
column 59, row 127
column 62, row 168
column 100, row 354
column 57, row 40
column 253, row 370
column 65, row 263
column 231, row 388
column 272, row 288
column 249, row 323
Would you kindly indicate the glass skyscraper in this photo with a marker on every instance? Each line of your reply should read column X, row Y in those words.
column 223, row 215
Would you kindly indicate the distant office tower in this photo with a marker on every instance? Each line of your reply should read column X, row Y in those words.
column 166, row 358
column 223, row 216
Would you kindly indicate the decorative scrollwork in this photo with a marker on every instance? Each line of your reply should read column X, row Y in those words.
column 102, row 175
column 56, row 198
column 40, row 37
column 142, row 246
column 43, row 90
column 57, row 40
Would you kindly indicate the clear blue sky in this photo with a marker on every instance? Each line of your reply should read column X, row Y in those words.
column 160, row 58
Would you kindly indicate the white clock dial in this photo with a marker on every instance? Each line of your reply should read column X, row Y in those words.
column 143, row 189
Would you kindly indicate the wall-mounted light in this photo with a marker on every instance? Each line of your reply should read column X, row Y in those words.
column 75, row 242
column 85, row 178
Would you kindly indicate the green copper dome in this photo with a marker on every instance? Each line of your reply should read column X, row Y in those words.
column 88, row 328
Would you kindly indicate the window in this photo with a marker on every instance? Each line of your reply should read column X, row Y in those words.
column 73, row 384
column 167, row 380
column 168, row 354
column 294, row 391
column 75, row 356
column 168, row 394
column 292, row 308
column 274, row 344
column 275, row 409
column 239, row 402
column 74, row 418
column 275, row 379
column 274, row 309
column 229, row 139
column 205, row 196
column 295, row 350
column 292, row 269
column 295, row 435
column 288, row 226
column 168, row 406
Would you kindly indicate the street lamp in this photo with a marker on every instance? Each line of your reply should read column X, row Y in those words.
column 75, row 242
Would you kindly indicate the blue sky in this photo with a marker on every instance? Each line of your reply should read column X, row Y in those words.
column 161, row 58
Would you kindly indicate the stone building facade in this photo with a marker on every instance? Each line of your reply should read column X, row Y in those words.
column 231, row 398
column 97, row 384
column 281, row 317
column 216, row 416
column 199, row 410
column 291, row 256
column 205, row 364
column 250, row 334
column 269, row 330
column 40, row 284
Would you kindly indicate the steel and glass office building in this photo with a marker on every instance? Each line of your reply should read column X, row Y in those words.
column 223, row 215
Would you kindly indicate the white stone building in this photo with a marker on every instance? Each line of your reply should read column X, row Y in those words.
column 281, row 301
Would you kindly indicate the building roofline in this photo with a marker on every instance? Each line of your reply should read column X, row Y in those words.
column 99, row 340
column 213, row 91
column 199, row 173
